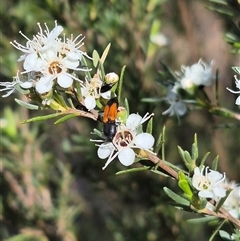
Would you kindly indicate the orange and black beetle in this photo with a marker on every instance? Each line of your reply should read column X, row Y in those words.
column 109, row 118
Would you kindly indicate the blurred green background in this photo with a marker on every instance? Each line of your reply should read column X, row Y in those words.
column 52, row 184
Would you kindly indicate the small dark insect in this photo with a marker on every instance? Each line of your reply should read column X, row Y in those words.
column 81, row 107
column 109, row 118
column 106, row 87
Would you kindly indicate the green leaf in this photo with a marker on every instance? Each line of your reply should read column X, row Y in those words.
column 204, row 159
column 169, row 73
column 159, row 144
column 105, row 53
column 21, row 90
column 187, row 157
column 153, row 99
column 223, row 2
column 120, row 83
column 195, row 148
column 65, row 118
column 126, row 104
column 236, row 69
column 223, row 234
column 222, row 112
column 217, row 229
column 223, row 199
column 160, row 173
column 41, row 118
column 96, row 58
column 184, row 185
column 137, row 169
column 181, row 152
column 215, row 163
column 149, row 126
column 27, row 105
column 98, row 133
column 201, row 220
column 175, row 197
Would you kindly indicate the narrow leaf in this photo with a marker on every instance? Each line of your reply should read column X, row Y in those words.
column 181, row 152
column 27, row 105
column 215, row 163
column 65, row 118
column 149, row 126
column 120, row 83
column 236, row 69
column 195, row 148
column 137, row 169
column 96, row 58
column 187, row 157
column 201, row 220
column 225, row 235
column 158, row 144
column 41, row 118
column 217, row 229
column 105, row 53
column 126, row 106
column 184, row 185
column 204, row 159
column 222, row 200
column 175, row 197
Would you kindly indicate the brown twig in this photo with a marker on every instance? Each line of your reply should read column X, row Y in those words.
column 224, row 215
column 156, row 160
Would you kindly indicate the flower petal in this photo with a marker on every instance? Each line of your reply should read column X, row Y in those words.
column 133, row 121
column 144, row 140
column 44, row 85
column 27, row 84
column 126, row 156
column 237, row 101
column 64, row 80
column 90, row 102
column 219, row 192
column 205, row 193
column 105, row 150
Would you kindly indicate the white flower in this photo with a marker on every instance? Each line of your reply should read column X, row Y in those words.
column 91, row 91
column 197, row 74
column 127, row 138
column 71, row 48
column 177, row 106
column 54, row 66
column 232, row 203
column 208, row 183
column 10, row 86
column 41, row 42
column 53, row 59
column 237, row 82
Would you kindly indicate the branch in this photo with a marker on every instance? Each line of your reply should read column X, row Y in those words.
column 156, row 160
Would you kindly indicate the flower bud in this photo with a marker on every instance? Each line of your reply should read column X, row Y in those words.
column 111, row 78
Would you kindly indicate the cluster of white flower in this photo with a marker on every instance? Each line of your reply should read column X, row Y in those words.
column 91, row 90
column 232, row 203
column 177, row 106
column 48, row 60
column 129, row 138
column 198, row 74
column 212, row 184
column 208, row 183
column 50, row 64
